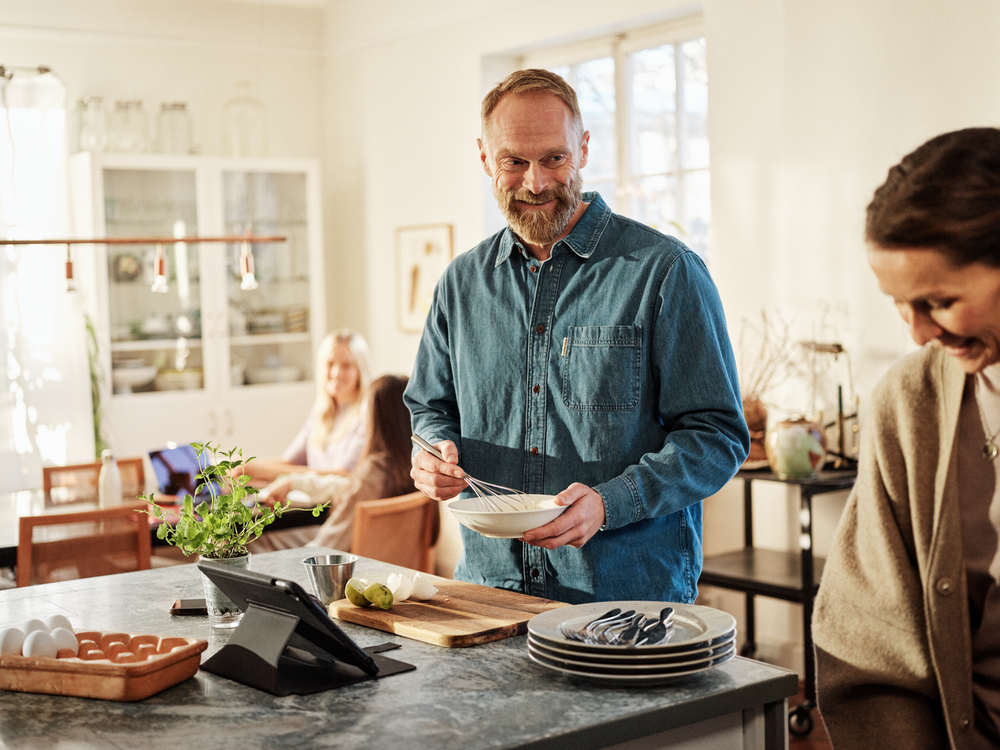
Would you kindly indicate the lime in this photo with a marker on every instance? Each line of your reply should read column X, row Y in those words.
column 379, row 595
column 355, row 592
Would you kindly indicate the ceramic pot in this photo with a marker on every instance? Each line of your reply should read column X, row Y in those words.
column 222, row 613
column 796, row 449
column 755, row 414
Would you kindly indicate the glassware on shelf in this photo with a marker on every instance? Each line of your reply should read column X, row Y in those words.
column 129, row 127
column 92, row 124
column 244, row 126
column 173, row 128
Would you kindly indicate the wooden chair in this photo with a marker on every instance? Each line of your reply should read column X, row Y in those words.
column 65, row 485
column 64, row 546
column 399, row 530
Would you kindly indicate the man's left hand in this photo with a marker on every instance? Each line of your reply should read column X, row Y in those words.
column 580, row 521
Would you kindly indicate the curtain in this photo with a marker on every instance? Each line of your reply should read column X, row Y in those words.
column 45, row 402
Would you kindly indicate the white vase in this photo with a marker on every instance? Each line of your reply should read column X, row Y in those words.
column 222, row 612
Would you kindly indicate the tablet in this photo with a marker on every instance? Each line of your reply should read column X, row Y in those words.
column 314, row 626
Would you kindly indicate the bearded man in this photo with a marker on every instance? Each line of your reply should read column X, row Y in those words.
column 580, row 354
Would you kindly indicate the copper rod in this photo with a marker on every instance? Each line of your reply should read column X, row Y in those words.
column 150, row 240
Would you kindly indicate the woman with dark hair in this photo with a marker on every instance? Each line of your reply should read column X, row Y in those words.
column 907, row 620
column 382, row 471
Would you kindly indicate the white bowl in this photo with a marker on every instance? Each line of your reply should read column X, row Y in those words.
column 473, row 513
column 179, row 380
column 131, row 377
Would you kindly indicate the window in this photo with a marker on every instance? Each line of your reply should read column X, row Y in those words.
column 644, row 99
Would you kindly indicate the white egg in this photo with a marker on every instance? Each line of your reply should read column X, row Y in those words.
column 59, row 621
column 422, row 587
column 11, row 641
column 40, row 643
column 400, row 586
column 32, row 625
column 65, row 639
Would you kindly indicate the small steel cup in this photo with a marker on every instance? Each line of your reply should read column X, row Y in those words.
column 329, row 575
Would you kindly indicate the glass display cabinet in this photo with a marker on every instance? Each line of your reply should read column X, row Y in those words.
column 210, row 357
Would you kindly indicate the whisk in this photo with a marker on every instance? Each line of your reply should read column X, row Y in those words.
column 485, row 491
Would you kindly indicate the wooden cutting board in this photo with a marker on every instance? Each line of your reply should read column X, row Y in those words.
column 459, row 614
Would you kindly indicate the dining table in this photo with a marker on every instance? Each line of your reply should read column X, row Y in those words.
column 479, row 697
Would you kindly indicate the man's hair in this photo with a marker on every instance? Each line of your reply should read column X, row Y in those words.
column 943, row 196
column 532, row 80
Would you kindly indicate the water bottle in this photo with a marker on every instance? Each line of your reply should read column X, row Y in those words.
column 109, row 483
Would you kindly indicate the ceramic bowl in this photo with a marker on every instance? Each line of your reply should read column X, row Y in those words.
column 473, row 513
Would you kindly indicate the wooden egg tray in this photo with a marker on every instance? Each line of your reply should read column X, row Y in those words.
column 110, row 666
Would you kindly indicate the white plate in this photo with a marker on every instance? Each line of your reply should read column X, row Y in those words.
column 630, row 679
column 694, row 626
column 635, row 669
column 631, row 657
column 473, row 513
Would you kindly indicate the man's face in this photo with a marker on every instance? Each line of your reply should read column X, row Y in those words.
column 534, row 154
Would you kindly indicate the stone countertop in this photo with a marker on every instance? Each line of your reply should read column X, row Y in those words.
column 486, row 696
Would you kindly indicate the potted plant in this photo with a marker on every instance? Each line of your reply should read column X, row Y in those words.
column 220, row 528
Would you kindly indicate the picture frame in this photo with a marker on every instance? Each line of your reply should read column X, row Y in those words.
column 422, row 254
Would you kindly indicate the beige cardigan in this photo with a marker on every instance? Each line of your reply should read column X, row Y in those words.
column 891, row 624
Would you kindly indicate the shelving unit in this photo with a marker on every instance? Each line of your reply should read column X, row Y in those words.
column 788, row 576
column 208, row 360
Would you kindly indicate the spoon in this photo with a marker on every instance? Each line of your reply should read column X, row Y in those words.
column 657, row 631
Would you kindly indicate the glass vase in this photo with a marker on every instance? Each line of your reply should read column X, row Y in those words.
column 222, row 612
column 244, row 124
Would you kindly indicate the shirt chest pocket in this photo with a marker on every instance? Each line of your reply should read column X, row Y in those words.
column 601, row 367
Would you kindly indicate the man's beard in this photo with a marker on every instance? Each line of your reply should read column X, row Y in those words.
column 540, row 227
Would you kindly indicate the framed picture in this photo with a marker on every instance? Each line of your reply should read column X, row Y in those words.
column 422, row 255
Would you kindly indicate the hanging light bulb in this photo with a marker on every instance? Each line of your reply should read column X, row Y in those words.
column 246, row 268
column 159, row 271
column 70, row 283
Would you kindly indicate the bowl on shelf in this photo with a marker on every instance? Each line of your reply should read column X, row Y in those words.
column 473, row 513
column 179, row 380
column 124, row 379
column 281, row 374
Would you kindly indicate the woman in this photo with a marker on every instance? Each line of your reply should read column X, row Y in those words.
column 333, row 435
column 383, row 471
column 907, row 620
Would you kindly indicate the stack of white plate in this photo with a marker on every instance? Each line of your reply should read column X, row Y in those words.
column 702, row 638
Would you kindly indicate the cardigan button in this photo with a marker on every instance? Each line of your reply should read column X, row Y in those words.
column 965, row 723
column 945, row 586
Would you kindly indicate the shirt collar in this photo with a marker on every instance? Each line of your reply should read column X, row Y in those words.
column 582, row 240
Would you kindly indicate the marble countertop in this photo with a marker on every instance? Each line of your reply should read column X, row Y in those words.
column 486, row 696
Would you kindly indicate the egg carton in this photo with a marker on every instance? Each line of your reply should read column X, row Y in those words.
column 109, row 666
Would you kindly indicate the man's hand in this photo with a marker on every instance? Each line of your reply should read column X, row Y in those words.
column 441, row 480
column 580, row 521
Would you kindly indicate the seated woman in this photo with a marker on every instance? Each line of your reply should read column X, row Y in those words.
column 333, row 435
column 907, row 620
column 382, row 471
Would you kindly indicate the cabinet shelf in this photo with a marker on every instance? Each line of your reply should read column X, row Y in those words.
column 762, row 572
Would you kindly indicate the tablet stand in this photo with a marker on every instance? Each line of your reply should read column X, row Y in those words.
column 265, row 652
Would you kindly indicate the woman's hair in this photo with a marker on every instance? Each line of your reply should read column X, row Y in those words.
column 944, row 196
column 389, row 429
column 530, row 81
column 325, row 409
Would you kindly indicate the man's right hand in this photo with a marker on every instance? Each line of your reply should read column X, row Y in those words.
column 441, row 480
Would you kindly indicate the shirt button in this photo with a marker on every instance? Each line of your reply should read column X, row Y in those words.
column 533, row 269
column 536, row 388
column 534, row 573
column 540, row 329
column 945, row 586
column 534, row 451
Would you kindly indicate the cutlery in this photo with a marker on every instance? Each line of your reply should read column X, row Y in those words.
column 631, row 631
column 657, row 631
column 578, row 635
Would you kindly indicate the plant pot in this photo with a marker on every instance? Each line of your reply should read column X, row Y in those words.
column 222, row 613
column 796, row 449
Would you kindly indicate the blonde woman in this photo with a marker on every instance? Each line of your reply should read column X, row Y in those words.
column 333, row 435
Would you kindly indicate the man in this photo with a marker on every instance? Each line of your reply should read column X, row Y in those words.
column 580, row 354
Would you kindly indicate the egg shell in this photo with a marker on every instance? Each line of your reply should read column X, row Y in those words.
column 59, row 621
column 40, row 643
column 65, row 640
column 423, row 589
column 32, row 625
column 11, row 641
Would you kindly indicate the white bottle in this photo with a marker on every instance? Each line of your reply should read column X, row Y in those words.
column 109, row 483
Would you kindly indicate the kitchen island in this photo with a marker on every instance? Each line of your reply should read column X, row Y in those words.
column 481, row 697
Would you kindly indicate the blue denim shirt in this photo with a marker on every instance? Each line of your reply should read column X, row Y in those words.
column 607, row 364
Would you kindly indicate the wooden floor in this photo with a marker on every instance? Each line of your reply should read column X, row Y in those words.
column 817, row 739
